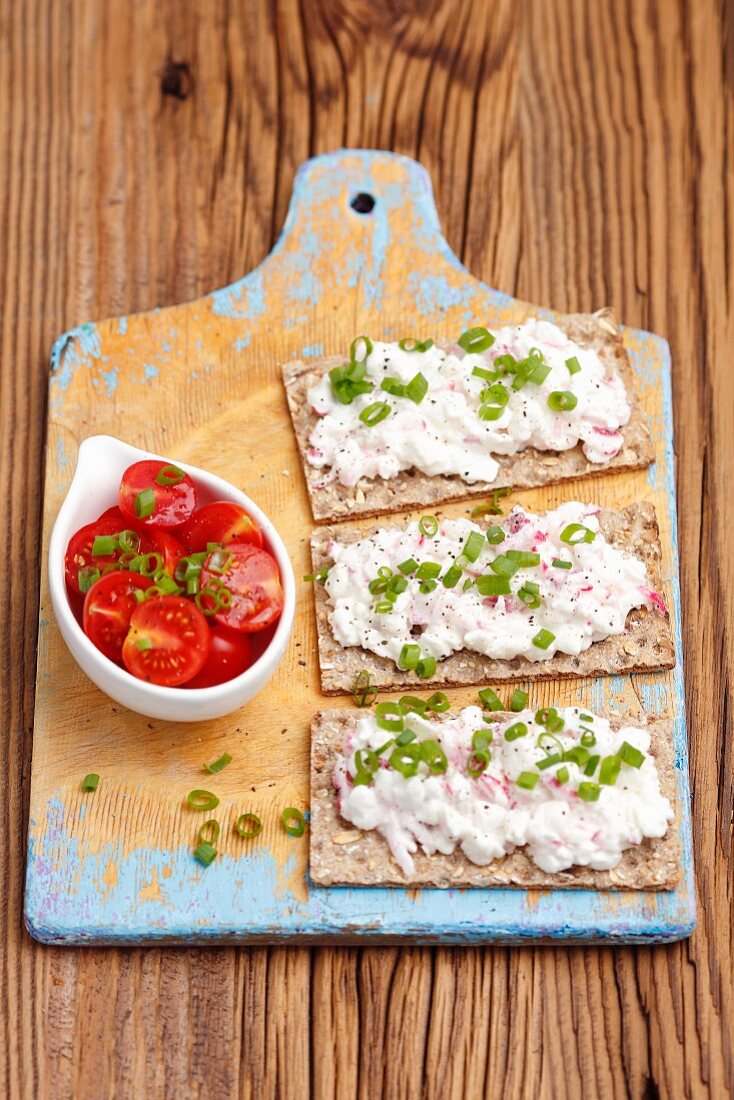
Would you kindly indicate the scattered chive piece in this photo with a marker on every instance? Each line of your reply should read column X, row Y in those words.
column 406, row 760
column 573, row 365
column 631, row 755
column 293, row 821
column 481, row 739
column 519, row 700
column 490, row 700
column 169, row 475
column 524, row 558
column 482, row 372
column 472, row 548
column 586, row 717
column 144, row 504
column 393, row 386
column 389, row 717
column 517, row 730
column 143, row 644
column 577, row 755
column 103, row 546
column 562, row 401
column 562, row 775
column 609, row 770
column 217, row 766
column 476, row 340
column 205, row 854
column 354, row 348
column 404, row 738
column 490, row 412
column 574, row 533
column 549, row 761
column 529, row 594
column 478, row 762
column 408, row 567
column 539, row 374
column 202, row 800
column 468, row 583
column 543, row 639
column 550, row 718
column 489, row 585
column 495, row 535
column 452, row 576
column 409, row 657
column 129, row 541
column 348, row 381
column 559, row 563
column 588, row 740
column 411, row 703
column 364, row 693
column 589, row 792
column 548, row 743
column 426, row 667
column 433, row 756
column 366, row 762
column 417, row 388
column 373, row 414
column 384, row 607
column 90, row 782
column 504, row 566
column 438, row 703
column 491, row 507
column 428, row 570
column 592, row 765
column 527, row 780
column 427, row 586
column 409, row 343
column 428, row 526
column 86, row 577
column 320, row 576
column 248, row 826
column 210, row 827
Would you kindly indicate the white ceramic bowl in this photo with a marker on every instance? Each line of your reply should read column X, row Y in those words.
column 100, row 465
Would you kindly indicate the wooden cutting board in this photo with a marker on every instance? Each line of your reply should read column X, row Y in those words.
column 200, row 382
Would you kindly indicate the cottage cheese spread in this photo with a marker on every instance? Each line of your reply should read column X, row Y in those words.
column 489, row 816
column 578, row 606
column 444, row 434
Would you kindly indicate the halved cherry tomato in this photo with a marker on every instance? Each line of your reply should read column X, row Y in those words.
column 168, row 641
column 253, row 580
column 108, row 608
column 221, row 521
column 167, row 546
column 79, row 551
column 230, row 653
column 157, row 494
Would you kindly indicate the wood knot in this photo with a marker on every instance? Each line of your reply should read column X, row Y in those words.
column 177, row 80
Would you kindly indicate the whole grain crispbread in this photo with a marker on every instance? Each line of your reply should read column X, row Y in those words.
column 646, row 644
column 527, row 469
column 341, row 855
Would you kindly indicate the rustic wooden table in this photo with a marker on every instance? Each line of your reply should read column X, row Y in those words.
column 581, row 152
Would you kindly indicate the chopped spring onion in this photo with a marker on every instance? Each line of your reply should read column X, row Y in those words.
column 409, row 343
column 202, row 800
column 404, row 738
column 504, row 566
column 417, row 388
column 543, row 639
column 468, row 583
column 359, row 354
column 586, row 717
column 452, row 576
column 428, row 570
column 149, row 564
column 90, row 782
column 409, row 657
column 574, row 533
column 428, row 525
column 169, row 475
column 129, row 541
column 589, row 792
column 86, row 577
column 205, row 854
column 476, row 340
column 293, row 821
column 577, row 755
column 144, row 504
column 609, row 770
column 348, row 381
column 366, row 763
column 548, row 742
column 389, row 717
column 248, row 826
column 103, row 546
column 143, row 644
column 219, row 764
column 393, row 386
column 592, row 765
column 481, row 739
column 408, row 567
column 373, row 414
column 406, row 760
column 630, row 755
column 490, row 585
column 478, row 762
column 433, row 756
column 539, row 373
column 412, row 704
column 490, row 700
column 320, row 576
column 562, row 775
column 524, row 558
column 426, row 667
column 527, row 780
column 488, row 375
column 472, row 548
column 492, row 507
column 495, row 535
column 219, row 561
column 549, row 761
column 364, row 693
column 518, row 700
column 209, row 832
column 573, row 365
column 512, row 733
column 427, row 586
column 490, row 412
column 550, row 718
column 438, row 702
column 588, row 740
column 562, row 401
column 529, row 594
column 559, row 563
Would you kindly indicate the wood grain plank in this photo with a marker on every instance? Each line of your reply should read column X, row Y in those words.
column 609, row 172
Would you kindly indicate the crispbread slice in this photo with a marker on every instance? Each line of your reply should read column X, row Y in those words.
column 527, row 469
column 646, row 644
column 341, row 855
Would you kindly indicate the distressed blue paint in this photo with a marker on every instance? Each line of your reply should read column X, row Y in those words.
column 311, row 350
column 123, row 325
column 109, row 377
column 150, row 371
column 247, row 898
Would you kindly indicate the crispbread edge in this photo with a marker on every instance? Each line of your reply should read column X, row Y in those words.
column 647, row 643
column 341, row 855
column 527, row 469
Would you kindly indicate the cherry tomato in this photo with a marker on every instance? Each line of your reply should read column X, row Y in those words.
column 253, row 580
column 230, row 653
column 221, row 521
column 157, row 494
column 108, row 608
column 168, row 641
column 79, row 551
column 170, row 549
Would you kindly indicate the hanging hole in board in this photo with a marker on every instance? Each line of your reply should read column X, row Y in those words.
column 363, row 203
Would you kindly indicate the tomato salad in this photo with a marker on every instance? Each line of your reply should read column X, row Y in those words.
column 180, row 594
